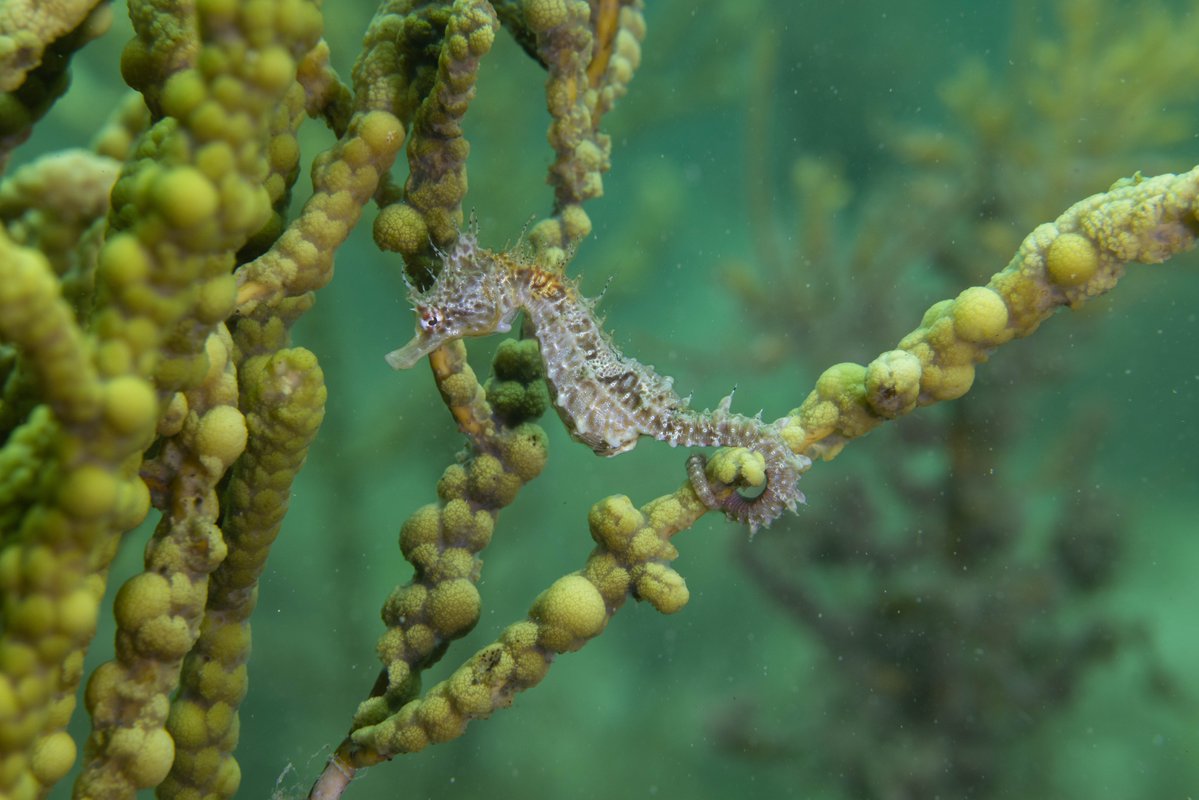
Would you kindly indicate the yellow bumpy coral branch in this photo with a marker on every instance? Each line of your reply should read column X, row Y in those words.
column 211, row 200
column 158, row 612
column 37, row 40
column 285, row 395
column 1064, row 263
column 631, row 558
column 166, row 41
column 51, row 566
column 344, row 180
column 437, row 149
column 442, row 541
column 590, row 52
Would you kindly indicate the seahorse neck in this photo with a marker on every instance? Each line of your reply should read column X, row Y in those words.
column 544, row 295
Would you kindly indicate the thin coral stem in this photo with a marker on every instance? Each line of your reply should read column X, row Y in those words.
column 333, row 780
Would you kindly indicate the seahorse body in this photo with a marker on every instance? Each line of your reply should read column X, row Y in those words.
column 606, row 399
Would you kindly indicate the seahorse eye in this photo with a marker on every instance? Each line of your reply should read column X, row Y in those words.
column 431, row 318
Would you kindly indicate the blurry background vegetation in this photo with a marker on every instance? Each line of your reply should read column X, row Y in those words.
column 992, row 598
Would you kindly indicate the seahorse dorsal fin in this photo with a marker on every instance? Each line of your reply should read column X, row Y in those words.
column 726, row 403
column 595, row 301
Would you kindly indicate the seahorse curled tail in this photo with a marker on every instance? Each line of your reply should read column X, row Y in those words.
column 720, row 428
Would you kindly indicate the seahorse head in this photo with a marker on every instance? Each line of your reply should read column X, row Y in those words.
column 472, row 296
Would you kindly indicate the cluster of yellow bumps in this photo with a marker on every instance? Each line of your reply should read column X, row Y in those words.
column 1080, row 255
column 145, row 361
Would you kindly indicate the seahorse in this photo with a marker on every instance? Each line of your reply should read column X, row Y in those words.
column 606, row 399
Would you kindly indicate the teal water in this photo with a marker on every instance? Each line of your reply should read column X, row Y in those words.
column 990, row 599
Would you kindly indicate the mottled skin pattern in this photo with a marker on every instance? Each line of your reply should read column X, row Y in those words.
column 606, row 399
